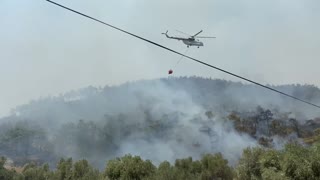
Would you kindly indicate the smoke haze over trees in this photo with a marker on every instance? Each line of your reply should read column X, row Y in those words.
column 160, row 120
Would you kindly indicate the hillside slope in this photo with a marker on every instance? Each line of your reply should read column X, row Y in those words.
column 162, row 119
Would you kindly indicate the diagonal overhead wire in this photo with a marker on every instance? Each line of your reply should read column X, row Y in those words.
column 188, row 57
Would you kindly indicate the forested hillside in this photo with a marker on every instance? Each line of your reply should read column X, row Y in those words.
column 160, row 120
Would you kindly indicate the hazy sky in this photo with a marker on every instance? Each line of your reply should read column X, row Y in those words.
column 46, row 50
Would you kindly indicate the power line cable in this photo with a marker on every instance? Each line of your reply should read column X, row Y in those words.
column 191, row 58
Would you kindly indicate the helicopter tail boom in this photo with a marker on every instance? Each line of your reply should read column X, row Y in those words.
column 170, row 37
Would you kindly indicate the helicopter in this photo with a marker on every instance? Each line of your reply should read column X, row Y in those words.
column 191, row 40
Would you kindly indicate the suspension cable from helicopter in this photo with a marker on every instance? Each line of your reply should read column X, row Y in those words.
column 181, row 57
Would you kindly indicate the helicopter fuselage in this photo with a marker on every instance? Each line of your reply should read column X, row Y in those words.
column 192, row 42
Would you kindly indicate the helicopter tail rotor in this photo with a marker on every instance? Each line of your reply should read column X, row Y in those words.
column 165, row 33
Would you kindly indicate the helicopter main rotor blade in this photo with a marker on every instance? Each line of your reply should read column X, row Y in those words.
column 197, row 34
column 205, row 37
column 183, row 33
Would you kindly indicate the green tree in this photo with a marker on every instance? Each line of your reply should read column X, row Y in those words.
column 32, row 172
column 64, row 169
column 129, row 167
column 4, row 173
column 270, row 162
column 271, row 159
column 214, row 167
column 296, row 162
column 249, row 165
column 165, row 171
column 271, row 174
column 83, row 171
column 187, row 169
column 315, row 160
